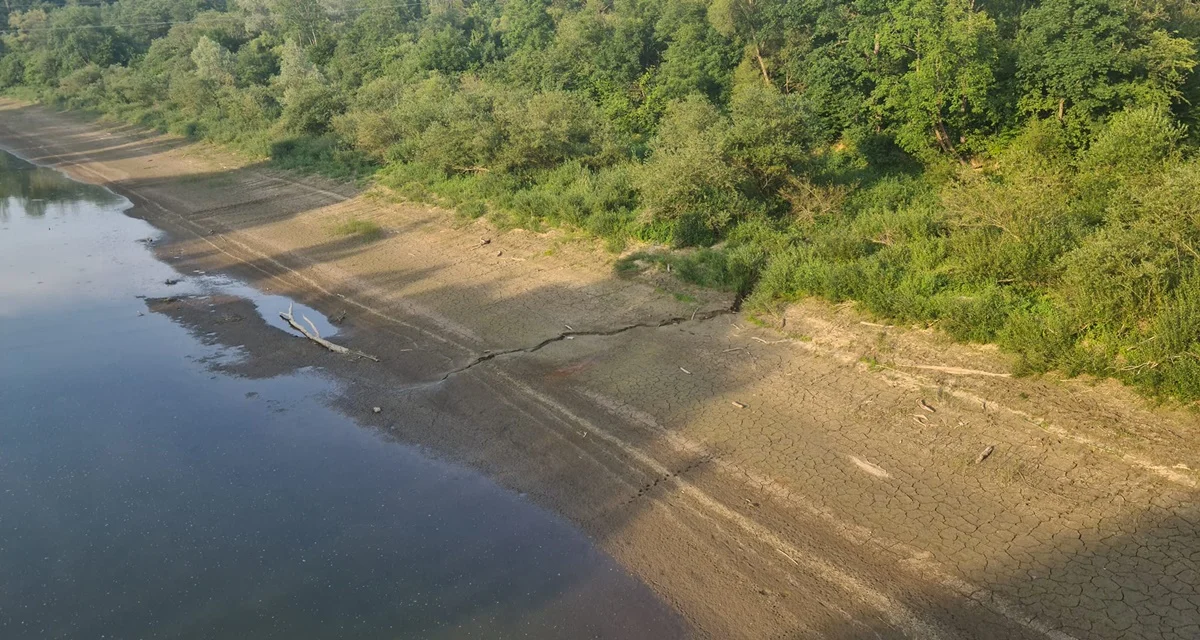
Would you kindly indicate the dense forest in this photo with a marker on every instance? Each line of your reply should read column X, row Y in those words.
column 1021, row 173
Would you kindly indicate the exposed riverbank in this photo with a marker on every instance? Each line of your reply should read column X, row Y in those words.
column 815, row 481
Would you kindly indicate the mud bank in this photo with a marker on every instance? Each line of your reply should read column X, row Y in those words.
column 814, row 481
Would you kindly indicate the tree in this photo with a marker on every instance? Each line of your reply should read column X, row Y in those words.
column 759, row 24
column 214, row 63
column 304, row 20
column 525, row 23
column 935, row 73
column 296, row 71
column 309, row 104
column 697, row 58
column 768, row 137
column 1081, row 60
column 64, row 40
column 257, row 61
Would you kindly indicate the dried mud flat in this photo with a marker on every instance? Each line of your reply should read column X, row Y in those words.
column 825, row 478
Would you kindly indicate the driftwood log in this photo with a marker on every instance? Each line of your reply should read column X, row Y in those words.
column 312, row 334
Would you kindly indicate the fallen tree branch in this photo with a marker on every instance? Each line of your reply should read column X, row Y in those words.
column 315, row 336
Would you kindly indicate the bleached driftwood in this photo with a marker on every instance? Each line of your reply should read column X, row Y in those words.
column 315, row 336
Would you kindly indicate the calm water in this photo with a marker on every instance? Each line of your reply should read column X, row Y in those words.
column 142, row 495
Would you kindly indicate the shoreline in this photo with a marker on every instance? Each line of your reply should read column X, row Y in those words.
column 815, row 482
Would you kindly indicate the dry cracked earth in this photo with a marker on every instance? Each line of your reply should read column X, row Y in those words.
column 810, row 474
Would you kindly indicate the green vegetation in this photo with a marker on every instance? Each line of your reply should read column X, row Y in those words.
column 1019, row 173
column 362, row 228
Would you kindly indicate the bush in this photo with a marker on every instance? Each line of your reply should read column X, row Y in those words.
column 1170, row 363
column 12, row 71
column 309, row 110
column 976, row 316
column 323, row 155
column 83, row 88
column 547, row 130
column 688, row 186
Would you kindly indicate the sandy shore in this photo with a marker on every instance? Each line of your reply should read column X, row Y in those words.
column 817, row 478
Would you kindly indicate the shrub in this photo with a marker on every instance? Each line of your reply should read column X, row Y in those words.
column 688, row 183
column 546, row 130
column 324, row 155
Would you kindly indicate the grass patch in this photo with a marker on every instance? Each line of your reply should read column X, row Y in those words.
column 873, row 363
column 472, row 209
column 704, row 267
column 364, row 229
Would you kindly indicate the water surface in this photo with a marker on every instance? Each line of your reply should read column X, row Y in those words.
column 145, row 495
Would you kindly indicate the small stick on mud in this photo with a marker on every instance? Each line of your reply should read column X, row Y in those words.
column 788, row 557
column 315, row 336
column 734, row 349
column 738, row 404
column 983, row 455
column 685, row 371
column 926, row 406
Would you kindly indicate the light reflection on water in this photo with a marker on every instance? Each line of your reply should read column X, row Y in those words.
column 142, row 495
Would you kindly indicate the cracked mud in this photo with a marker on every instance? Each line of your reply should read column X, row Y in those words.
column 571, row 335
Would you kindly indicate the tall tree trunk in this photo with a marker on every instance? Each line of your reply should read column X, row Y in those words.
column 762, row 65
column 943, row 139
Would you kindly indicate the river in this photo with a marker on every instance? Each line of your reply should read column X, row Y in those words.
column 146, row 493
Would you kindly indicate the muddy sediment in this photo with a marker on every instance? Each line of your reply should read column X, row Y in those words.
column 819, row 480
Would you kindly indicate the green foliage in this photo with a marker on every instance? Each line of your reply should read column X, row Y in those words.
column 1134, row 142
column 689, row 189
column 214, row 63
column 704, row 267
column 1083, row 60
column 1006, row 172
column 697, row 58
column 256, row 62
column 526, row 24
column 938, row 62
column 547, row 130
column 322, row 155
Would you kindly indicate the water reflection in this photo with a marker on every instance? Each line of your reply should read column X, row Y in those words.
column 144, row 495
column 32, row 190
